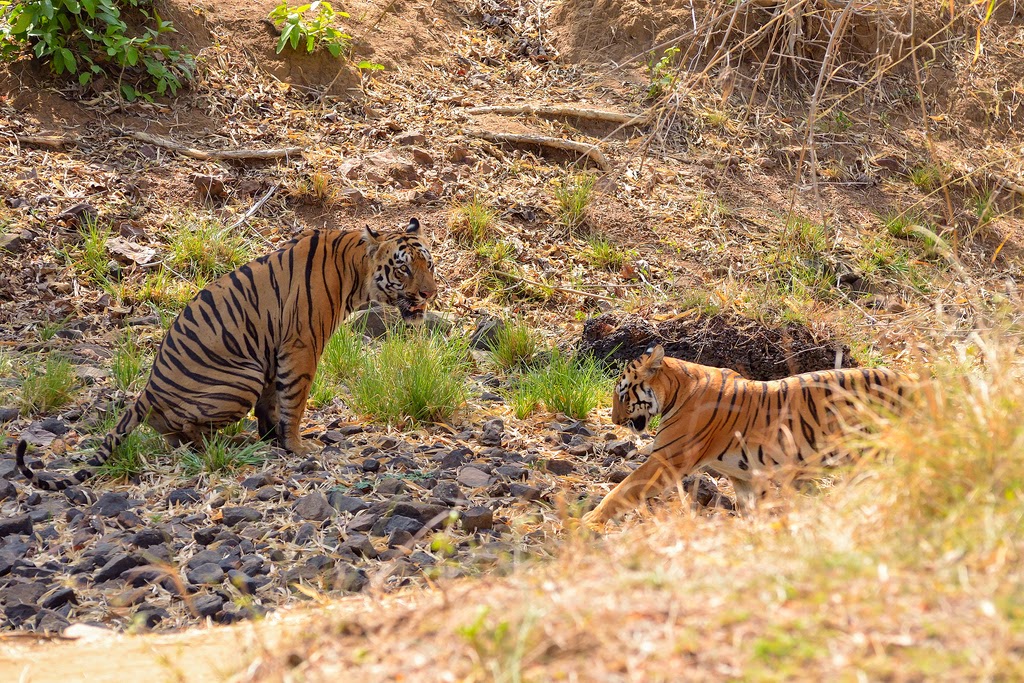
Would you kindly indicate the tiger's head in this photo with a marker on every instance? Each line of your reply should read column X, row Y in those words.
column 635, row 401
column 403, row 270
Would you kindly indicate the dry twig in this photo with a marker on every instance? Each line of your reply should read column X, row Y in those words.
column 213, row 154
column 51, row 141
column 563, row 110
column 587, row 150
column 556, row 288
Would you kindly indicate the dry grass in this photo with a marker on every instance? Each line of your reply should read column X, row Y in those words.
column 909, row 569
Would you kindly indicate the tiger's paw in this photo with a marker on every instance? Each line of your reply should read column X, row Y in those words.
column 302, row 448
column 593, row 521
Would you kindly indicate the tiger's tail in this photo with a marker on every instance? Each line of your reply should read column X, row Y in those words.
column 129, row 421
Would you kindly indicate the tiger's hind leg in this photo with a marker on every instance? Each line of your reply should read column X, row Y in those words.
column 295, row 371
column 267, row 413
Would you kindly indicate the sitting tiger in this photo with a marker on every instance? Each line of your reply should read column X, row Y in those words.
column 253, row 338
column 713, row 418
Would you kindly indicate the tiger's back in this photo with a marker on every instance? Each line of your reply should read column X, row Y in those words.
column 712, row 418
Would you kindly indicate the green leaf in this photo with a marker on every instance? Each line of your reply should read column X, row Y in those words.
column 84, row 77
column 295, row 37
column 310, row 43
column 334, row 49
column 72, row 6
column 23, row 23
column 132, row 56
column 129, row 92
column 69, row 60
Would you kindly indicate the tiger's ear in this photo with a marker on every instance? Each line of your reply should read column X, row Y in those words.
column 414, row 227
column 371, row 238
column 651, row 362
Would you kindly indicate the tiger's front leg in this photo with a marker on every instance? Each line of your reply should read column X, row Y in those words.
column 295, row 370
column 650, row 479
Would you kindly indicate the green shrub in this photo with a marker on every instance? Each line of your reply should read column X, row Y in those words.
column 514, row 346
column 472, row 222
column 205, row 248
column 418, row 377
column 663, row 73
column 341, row 361
column 573, row 385
column 220, row 453
column 52, row 386
column 90, row 38
column 601, row 253
column 311, row 26
column 573, row 198
column 129, row 363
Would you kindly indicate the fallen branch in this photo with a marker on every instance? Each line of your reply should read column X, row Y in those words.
column 556, row 288
column 213, row 154
column 254, row 208
column 563, row 110
column 51, row 141
column 587, row 150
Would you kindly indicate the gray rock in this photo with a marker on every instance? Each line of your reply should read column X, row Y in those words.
column 457, row 458
column 493, row 433
column 111, row 504
column 473, row 477
column 115, row 567
column 524, row 492
column 242, row 581
column 512, row 472
column 476, row 518
column 370, row 465
column 360, row 545
column 48, row 621
column 577, row 428
column 268, row 493
column 401, row 523
column 390, row 486
column 449, row 493
column 343, row 503
column 255, row 482
column 620, row 449
column 313, row 506
column 184, row 497
column 7, row 490
column 559, row 467
column 19, row 524
column 236, row 515
column 208, row 605
column 20, row 612
column 423, row 512
column 350, row 579
column 205, row 536
column 8, row 414
column 53, row 424
column 205, row 574
column 363, row 522
column 486, row 333
column 305, row 534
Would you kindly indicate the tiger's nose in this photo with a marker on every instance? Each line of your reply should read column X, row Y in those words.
column 428, row 293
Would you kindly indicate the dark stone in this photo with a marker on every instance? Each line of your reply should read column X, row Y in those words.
column 342, row 503
column 390, row 486
column 576, row 428
column 7, row 490
column 54, row 425
column 19, row 524
column 401, row 523
column 111, row 504
column 422, row 559
column 559, row 467
column 309, row 465
column 115, row 567
column 456, row 459
column 245, row 584
column 524, row 492
column 305, row 534
column 398, row 538
column 473, row 477
column 618, row 476
column 350, row 579
column 268, row 493
column 488, row 327
column 493, row 433
column 620, row 449
column 512, row 472
column 207, row 605
column 184, row 497
column 205, row 536
column 449, row 493
column 371, row 465
column 362, row 522
column 313, row 506
column 148, row 537
column 220, row 555
column 234, row 515
column 255, row 482
column 476, row 518
column 20, row 612
column 360, row 545
column 8, row 414
column 207, row 573
column 48, row 621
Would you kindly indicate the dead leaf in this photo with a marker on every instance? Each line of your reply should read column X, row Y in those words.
column 127, row 251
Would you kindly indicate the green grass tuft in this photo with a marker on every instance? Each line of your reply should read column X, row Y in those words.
column 515, row 346
column 600, row 253
column 417, row 377
column 472, row 222
column 341, row 361
column 128, row 366
column 573, row 385
column 50, row 387
column 205, row 248
column 134, row 454
column 573, row 197
column 220, row 454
